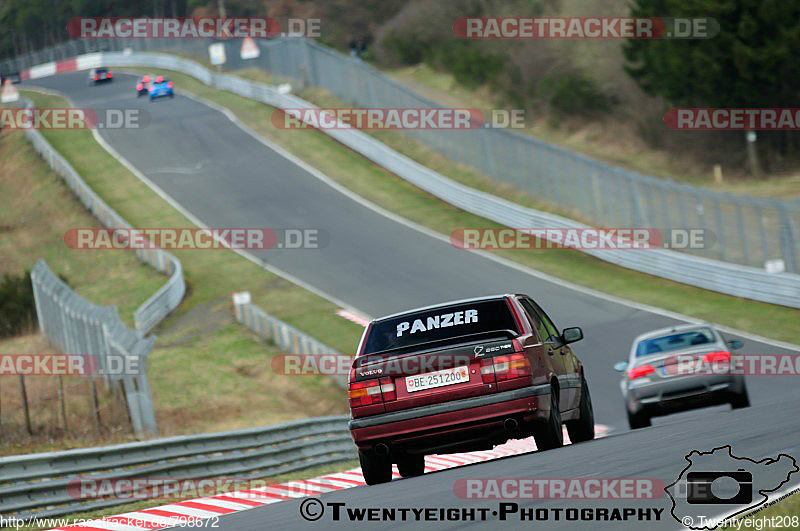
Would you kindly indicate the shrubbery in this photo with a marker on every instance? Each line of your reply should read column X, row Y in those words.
column 575, row 94
column 521, row 73
column 17, row 308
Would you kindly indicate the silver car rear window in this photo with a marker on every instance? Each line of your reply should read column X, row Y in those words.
column 676, row 341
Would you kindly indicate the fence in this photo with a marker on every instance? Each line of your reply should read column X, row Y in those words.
column 77, row 326
column 38, row 483
column 286, row 337
column 750, row 231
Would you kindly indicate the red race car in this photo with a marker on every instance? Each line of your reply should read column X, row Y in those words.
column 143, row 86
column 464, row 376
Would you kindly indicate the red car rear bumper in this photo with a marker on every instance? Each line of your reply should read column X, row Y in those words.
column 459, row 419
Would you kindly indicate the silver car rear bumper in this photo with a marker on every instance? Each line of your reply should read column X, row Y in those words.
column 661, row 396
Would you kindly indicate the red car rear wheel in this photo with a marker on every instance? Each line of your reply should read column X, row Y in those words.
column 551, row 434
column 411, row 465
column 376, row 469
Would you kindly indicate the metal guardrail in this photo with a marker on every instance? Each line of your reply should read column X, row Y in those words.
column 715, row 275
column 169, row 296
column 37, row 484
column 285, row 336
column 749, row 230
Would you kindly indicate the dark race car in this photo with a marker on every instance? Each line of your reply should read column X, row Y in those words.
column 14, row 77
column 464, row 376
column 100, row 75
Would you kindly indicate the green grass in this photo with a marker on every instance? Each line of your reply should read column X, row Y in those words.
column 776, row 513
column 33, row 223
column 394, row 194
column 145, row 504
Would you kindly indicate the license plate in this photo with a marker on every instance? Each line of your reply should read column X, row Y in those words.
column 431, row 380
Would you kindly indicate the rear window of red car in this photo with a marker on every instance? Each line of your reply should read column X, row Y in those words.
column 435, row 324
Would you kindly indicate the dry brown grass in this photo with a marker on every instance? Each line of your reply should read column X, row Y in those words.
column 44, row 407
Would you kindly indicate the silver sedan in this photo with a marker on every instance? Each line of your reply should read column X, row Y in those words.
column 679, row 368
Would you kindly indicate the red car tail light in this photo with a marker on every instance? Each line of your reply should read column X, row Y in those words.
column 640, row 372
column 511, row 366
column 372, row 392
column 365, row 393
column 720, row 356
column 96, row 77
column 487, row 371
column 108, row 75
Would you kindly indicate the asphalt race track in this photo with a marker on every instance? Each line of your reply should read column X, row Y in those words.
column 226, row 178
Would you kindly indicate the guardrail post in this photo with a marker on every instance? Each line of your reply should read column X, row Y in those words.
column 788, row 239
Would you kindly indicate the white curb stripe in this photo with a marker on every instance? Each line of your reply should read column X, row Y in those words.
column 225, row 504
column 188, row 511
column 44, row 70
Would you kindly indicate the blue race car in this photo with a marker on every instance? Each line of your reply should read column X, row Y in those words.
column 161, row 87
